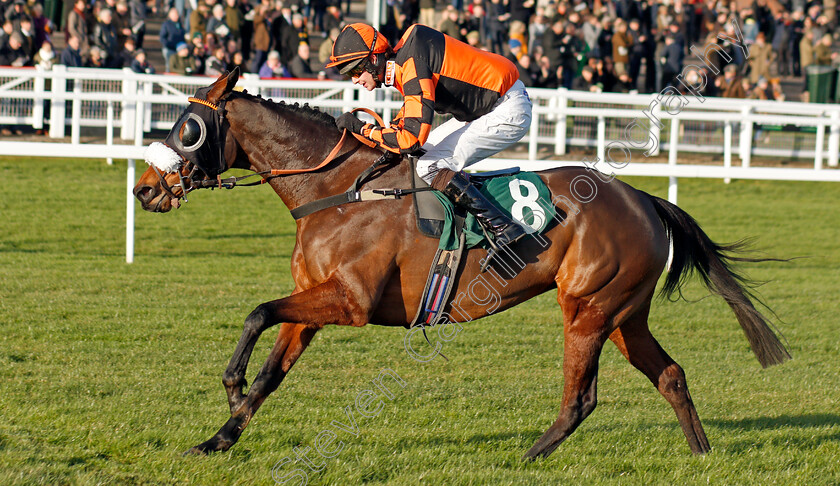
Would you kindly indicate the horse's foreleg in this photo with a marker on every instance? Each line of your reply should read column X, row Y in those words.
column 323, row 304
column 302, row 313
column 584, row 338
column 291, row 342
column 641, row 349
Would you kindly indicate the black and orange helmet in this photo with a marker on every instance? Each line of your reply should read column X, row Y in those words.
column 354, row 44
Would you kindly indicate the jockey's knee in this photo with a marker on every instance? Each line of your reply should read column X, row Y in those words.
column 428, row 169
column 442, row 179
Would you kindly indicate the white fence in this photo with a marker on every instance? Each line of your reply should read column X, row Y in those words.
column 136, row 104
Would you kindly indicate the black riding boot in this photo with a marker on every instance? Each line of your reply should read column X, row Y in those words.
column 505, row 230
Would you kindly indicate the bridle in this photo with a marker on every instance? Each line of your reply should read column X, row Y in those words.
column 191, row 182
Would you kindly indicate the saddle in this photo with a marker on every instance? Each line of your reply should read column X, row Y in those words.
column 427, row 208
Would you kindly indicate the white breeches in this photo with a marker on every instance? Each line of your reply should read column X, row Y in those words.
column 455, row 144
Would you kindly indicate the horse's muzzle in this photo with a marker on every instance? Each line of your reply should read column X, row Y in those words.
column 153, row 200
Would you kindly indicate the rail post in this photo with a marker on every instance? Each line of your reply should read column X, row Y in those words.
column 129, row 104
column 58, row 107
column 672, row 158
column 727, row 148
column 534, row 131
column 834, row 139
column 818, row 147
column 602, row 138
column 745, row 146
column 38, row 102
column 76, row 118
column 560, row 126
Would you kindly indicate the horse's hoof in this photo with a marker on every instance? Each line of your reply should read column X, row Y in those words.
column 195, row 451
column 530, row 456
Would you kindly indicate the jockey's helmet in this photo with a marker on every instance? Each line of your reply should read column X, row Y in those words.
column 354, row 45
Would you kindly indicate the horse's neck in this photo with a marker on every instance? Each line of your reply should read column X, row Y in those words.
column 294, row 142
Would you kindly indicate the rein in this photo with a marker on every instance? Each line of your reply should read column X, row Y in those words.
column 189, row 183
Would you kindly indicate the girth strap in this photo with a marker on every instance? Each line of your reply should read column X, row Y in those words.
column 351, row 197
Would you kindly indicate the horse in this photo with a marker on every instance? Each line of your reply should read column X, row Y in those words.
column 361, row 263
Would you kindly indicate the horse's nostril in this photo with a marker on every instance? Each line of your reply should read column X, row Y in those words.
column 144, row 193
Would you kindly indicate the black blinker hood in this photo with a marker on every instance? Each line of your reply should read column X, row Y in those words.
column 208, row 153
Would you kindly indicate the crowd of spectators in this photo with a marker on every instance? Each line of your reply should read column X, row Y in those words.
column 641, row 45
column 591, row 45
column 271, row 39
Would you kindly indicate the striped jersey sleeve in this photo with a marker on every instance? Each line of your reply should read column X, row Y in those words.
column 410, row 129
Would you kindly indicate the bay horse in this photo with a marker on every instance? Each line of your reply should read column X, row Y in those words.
column 363, row 263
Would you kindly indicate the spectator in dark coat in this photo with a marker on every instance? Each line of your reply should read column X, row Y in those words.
column 641, row 45
column 172, row 33
column 672, row 61
column 183, row 61
column 216, row 64
column 16, row 12
column 623, row 84
column 137, row 15
column 605, row 38
column 570, row 54
column 586, row 81
column 127, row 54
column 476, row 22
column 13, row 54
column 40, row 25
column 284, row 36
column 140, row 64
column 333, row 19
column 105, row 38
column 28, row 37
column 299, row 67
column 95, row 59
column 71, row 56
column 552, row 41
column 527, row 72
column 299, row 23
column 497, row 20
column 783, row 43
column 522, row 10
column 451, row 25
column 217, row 23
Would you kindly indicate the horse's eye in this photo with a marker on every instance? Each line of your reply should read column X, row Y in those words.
column 190, row 133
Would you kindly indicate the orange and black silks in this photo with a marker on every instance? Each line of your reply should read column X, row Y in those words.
column 436, row 73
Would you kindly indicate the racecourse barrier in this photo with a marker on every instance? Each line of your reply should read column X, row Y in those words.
column 136, row 104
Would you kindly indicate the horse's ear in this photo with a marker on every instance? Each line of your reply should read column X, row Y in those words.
column 223, row 85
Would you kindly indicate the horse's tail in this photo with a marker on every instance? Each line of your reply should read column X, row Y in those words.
column 694, row 250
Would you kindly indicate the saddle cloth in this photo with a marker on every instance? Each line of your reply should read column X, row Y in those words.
column 429, row 210
column 520, row 195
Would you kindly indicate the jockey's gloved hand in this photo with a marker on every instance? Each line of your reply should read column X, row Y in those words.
column 350, row 122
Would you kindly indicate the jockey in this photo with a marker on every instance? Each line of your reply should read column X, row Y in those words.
column 435, row 72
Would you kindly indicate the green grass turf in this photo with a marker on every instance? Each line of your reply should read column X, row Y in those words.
column 110, row 371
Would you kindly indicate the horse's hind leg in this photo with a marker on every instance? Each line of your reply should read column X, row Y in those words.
column 584, row 337
column 234, row 376
column 641, row 349
column 291, row 342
